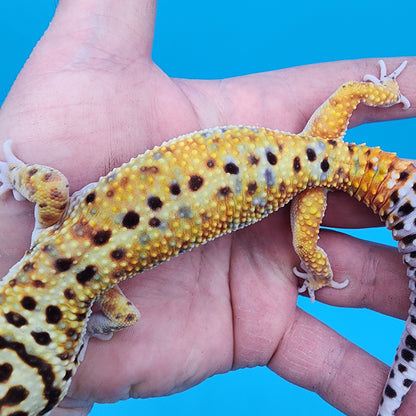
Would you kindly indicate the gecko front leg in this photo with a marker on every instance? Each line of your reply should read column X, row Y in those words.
column 48, row 189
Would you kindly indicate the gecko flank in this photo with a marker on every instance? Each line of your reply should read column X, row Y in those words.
column 179, row 195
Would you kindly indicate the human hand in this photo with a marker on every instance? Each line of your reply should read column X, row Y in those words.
column 89, row 99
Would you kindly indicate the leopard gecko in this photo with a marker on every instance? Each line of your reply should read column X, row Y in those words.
column 181, row 194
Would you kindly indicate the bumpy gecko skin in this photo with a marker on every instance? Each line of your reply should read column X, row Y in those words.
column 179, row 195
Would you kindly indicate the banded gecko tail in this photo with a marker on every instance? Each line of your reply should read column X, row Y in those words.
column 400, row 217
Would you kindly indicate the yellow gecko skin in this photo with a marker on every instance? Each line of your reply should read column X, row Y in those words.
column 179, row 195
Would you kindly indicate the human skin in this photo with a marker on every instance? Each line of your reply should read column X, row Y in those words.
column 90, row 98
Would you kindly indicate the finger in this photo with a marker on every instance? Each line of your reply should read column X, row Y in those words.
column 97, row 35
column 72, row 407
column 317, row 358
column 286, row 99
column 376, row 274
column 345, row 212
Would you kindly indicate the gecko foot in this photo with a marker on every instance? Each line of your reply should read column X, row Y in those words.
column 384, row 78
column 311, row 283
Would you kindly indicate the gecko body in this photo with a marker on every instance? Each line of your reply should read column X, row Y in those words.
column 181, row 194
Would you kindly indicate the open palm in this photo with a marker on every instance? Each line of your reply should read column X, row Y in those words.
column 89, row 99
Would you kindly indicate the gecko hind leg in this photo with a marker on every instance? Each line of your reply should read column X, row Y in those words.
column 307, row 211
column 330, row 121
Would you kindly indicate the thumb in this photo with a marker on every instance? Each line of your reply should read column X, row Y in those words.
column 94, row 33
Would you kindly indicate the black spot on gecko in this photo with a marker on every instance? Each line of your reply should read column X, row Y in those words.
column 231, row 168
column 38, row 283
column 28, row 303
column 81, row 316
column 6, row 370
column 271, row 158
column 332, row 142
column 32, row 172
column 410, row 342
column 195, row 182
column 15, row 319
column 325, row 165
column 225, row 191
column 408, row 239
column 403, row 176
column 395, row 197
column 70, row 333
column 47, row 176
column 154, row 222
column 86, row 275
column 68, row 375
column 407, row 355
column 296, row 164
column 14, row 396
column 253, row 160
column 310, row 154
column 69, row 293
column 64, row 356
column 390, row 392
column 118, row 274
column 399, row 226
column 90, row 198
column 41, row 338
column 370, row 165
column 252, row 188
column 118, row 253
column 351, row 147
column 62, row 264
column 210, row 163
column 43, row 368
column 414, row 187
column 53, row 314
column 405, row 209
column 110, row 193
column 52, row 395
column 154, row 203
column 101, row 237
column 131, row 220
column 282, row 187
column 407, row 382
column 27, row 267
column 174, row 188
column 402, row 368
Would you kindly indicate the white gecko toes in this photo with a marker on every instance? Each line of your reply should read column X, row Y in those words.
column 385, row 77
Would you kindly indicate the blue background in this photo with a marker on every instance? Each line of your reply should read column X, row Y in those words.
column 223, row 38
